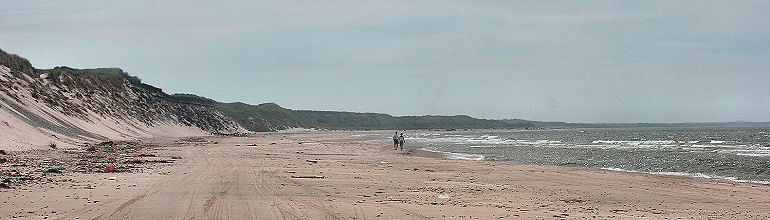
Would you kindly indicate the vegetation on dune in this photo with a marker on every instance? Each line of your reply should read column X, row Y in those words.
column 193, row 99
column 352, row 120
column 262, row 117
column 16, row 62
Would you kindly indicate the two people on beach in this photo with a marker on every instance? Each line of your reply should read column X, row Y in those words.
column 398, row 141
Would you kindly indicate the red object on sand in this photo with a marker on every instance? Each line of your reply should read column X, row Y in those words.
column 13, row 174
column 111, row 159
column 272, row 143
column 140, row 155
column 111, row 170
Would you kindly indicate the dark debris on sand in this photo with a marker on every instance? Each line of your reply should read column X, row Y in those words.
column 40, row 167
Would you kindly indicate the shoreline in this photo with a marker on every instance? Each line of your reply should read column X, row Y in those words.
column 479, row 157
column 700, row 176
column 307, row 175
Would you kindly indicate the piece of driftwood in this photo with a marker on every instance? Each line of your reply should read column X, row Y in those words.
column 308, row 177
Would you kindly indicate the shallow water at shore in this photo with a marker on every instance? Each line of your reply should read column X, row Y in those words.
column 737, row 154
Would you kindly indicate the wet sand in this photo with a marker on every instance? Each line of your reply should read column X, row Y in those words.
column 335, row 175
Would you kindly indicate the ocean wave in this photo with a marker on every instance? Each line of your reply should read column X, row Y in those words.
column 638, row 143
column 458, row 156
column 677, row 147
column 367, row 135
column 601, row 146
column 748, row 152
column 693, row 175
column 492, row 140
column 482, row 146
column 754, row 154
column 718, row 146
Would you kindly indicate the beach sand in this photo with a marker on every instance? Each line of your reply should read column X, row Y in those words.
column 336, row 175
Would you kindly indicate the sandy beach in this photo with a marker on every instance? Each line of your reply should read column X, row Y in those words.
column 336, row 175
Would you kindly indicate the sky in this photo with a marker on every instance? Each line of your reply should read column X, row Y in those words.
column 574, row 61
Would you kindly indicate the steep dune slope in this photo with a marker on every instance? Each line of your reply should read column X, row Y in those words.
column 66, row 106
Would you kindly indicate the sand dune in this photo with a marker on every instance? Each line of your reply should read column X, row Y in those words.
column 27, row 121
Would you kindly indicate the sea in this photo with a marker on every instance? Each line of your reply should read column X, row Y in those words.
column 735, row 154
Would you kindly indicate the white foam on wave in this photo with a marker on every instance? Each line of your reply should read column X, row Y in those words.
column 705, row 146
column 754, row 154
column 480, row 140
column 482, row 146
column 600, row 146
column 694, row 175
column 366, row 135
column 616, row 169
column 718, row 146
column 748, row 152
column 458, row 156
column 427, row 134
column 638, row 143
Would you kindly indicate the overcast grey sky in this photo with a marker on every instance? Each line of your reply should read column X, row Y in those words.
column 576, row 61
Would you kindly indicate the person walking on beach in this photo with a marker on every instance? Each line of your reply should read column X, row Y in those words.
column 395, row 141
column 401, row 141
